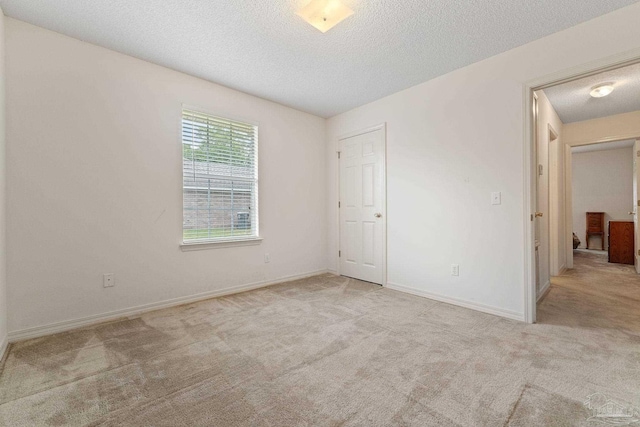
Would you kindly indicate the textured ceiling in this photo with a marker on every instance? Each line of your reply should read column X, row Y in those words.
column 573, row 103
column 262, row 47
column 603, row 146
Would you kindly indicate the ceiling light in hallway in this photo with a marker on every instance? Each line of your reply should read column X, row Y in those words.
column 601, row 90
column 325, row 14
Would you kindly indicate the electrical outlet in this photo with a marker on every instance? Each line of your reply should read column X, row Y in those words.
column 267, row 258
column 496, row 198
column 455, row 270
column 108, row 280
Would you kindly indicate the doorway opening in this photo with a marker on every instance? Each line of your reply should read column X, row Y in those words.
column 585, row 198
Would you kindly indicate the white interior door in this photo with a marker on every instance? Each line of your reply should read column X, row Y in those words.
column 361, row 205
column 636, row 176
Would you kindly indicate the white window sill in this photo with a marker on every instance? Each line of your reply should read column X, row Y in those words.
column 215, row 244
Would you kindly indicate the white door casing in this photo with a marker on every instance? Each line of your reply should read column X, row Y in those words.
column 562, row 76
column 540, row 217
column 636, row 188
column 362, row 213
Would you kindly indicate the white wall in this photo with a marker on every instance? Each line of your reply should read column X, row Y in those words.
column 451, row 142
column 602, row 182
column 3, row 265
column 94, row 183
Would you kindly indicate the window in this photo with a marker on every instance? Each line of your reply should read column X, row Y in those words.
column 219, row 179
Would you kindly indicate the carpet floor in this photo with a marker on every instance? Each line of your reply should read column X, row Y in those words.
column 333, row 351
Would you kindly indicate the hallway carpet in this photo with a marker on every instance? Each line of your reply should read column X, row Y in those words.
column 332, row 351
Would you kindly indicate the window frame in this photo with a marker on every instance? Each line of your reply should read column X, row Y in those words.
column 220, row 242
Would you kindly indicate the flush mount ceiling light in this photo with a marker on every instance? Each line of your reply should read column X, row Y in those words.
column 601, row 90
column 325, row 14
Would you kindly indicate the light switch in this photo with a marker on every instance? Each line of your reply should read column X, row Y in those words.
column 496, row 198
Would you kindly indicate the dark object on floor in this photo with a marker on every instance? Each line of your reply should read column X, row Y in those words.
column 576, row 241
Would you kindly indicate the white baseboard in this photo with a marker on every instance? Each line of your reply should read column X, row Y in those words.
column 563, row 268
column 66, row 325
column 459, row 302
column 543, row 291
column 4, row 346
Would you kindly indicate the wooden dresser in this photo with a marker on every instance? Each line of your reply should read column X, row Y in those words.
column 621, row 245
column 595, row 226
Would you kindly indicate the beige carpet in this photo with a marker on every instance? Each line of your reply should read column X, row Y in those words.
column 330, row 351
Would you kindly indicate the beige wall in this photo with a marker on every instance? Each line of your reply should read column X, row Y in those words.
column 610, row 128
column 602, row 182
column 451, row 142
column 95, row 183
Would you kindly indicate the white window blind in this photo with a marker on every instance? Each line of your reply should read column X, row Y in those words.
column 220, row 178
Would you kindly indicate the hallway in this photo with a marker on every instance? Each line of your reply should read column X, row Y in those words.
column 594, row 294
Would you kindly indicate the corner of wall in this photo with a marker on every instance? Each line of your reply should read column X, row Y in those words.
column 3, row 272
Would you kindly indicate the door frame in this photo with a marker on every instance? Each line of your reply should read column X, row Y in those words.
column 552, row 202
column 568, row 184
column 530, row 169
column 383, row 127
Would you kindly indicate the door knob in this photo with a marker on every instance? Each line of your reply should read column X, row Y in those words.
column 538, row 214
column 632, row 213
column 377, row 215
